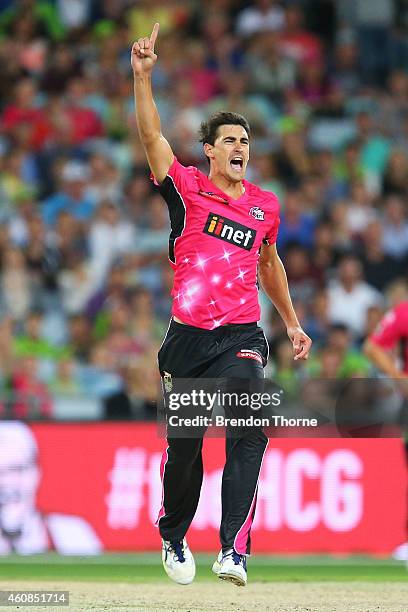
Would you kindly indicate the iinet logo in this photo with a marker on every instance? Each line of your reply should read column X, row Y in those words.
column 230, row 231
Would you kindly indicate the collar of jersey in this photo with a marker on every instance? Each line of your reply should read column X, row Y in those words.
column 210, row 190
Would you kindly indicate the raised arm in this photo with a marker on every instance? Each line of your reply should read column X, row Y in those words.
column 158, row 151
column 272, row 277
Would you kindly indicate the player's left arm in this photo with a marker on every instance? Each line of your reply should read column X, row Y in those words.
column 272, row 277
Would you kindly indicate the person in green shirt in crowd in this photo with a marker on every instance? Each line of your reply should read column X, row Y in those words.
column 44, row 12
column 352, row 362
column 31, row 344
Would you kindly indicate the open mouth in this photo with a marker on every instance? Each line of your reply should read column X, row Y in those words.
column 237, row 164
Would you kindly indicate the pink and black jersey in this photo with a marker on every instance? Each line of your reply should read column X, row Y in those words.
column 214, row 247
column 392, row 332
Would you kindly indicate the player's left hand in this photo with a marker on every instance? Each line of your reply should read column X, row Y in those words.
column 301, row 343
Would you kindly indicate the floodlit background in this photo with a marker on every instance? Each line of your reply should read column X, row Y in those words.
column 85, row 283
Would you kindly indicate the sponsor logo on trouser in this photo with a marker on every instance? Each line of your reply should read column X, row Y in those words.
column 249, row 354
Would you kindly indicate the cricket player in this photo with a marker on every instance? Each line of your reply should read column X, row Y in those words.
column 223, row 233
column 391, row 334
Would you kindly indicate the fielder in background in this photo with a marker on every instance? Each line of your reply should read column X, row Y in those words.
column 387, row 348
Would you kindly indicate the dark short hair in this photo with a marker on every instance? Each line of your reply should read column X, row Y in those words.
column 208, row 129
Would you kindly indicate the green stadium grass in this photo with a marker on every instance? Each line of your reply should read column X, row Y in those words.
column 146, row 567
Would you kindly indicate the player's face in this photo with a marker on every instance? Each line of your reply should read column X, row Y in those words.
column 230, row 153
column 19, row 478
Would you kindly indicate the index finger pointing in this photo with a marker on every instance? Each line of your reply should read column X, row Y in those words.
column 153, row 35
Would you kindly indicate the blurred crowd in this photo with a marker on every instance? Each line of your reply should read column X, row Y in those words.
column 85, row 284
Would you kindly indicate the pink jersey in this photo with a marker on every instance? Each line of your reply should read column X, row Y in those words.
column 393, row 331
column 214, row 247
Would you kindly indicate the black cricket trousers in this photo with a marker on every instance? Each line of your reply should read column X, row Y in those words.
column 230, row 352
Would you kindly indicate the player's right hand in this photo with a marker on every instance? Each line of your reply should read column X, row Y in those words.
column 142, row 56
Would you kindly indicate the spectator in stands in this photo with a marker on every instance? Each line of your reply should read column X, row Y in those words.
column 314, row 86
column 342, row 236
column 79, row 337
column 104, row 182
column 395, row 236
column 264, row 15
column 301, row 276
column 68, row 236
column 395, row 178
column 72, row 196
column 97, row 377
column 269, row 71
column 78, row 281
column 31, row 342
column 375, row 147
column 110, row 236
column 353, row 363
column 374, row 23
column 17, row 180
column 187, row 117
column 360, row 209
column 31, row 397
column 296, row 225
column 65, row 381
column 115, row 290
column 392, row 105
column 350, row 296
column 379, row 268
column 143, row 324
column 74, row 14
column 46, row 21
column 153, row 241
column 43, row 261
column 292, row 160
column 62, row 67
column 317, row 321
column 84, row 121
column 23, row 111
column 328, row 366
column 202, row 78
column 256, row 109
column 295, row 41
column 346, row 73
